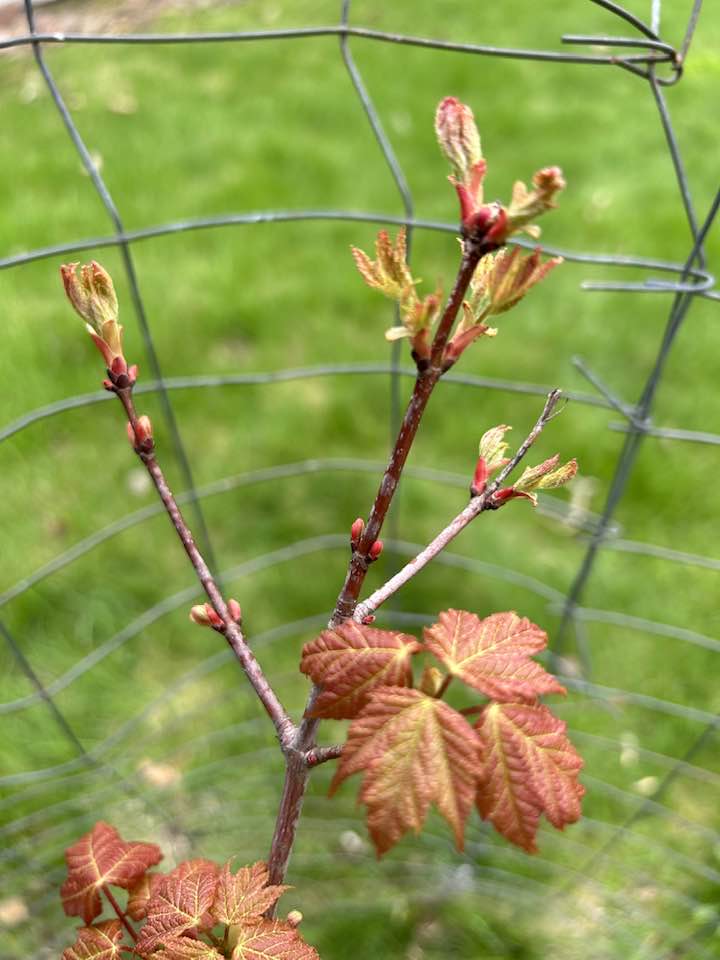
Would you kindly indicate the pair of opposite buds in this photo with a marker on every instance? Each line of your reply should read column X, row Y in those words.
column 205, row 615
column 356, row 532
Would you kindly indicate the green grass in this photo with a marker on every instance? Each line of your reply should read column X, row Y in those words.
column 186, row 131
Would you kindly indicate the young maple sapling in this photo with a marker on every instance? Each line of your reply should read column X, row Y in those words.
column 508, row 755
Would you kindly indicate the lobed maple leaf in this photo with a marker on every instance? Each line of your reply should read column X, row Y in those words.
column 492, row 655
column 529, row 767
column 183, row 948
column 140, row 894
column 182, row 902
column 272, row 940
column 351, row 661
column 100, row 942
column 98, row 858
column 414, row 750
column 244, row 897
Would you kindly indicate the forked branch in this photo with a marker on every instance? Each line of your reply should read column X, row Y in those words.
column 479, row 504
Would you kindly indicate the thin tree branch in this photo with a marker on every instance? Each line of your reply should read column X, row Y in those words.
column 318, row 755
column 230, row 630
column 476, row 506
column 428, row 376
column 118, row 910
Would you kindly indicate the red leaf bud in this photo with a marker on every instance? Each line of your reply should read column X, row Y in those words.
column 370, row 618
column 234, row 610
column 375, row 550
column 356, row 531
column 143, row 429
column 141, row 437
column 118, row 366
column 205, row 615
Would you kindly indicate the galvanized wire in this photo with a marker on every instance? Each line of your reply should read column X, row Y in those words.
column 643, row 54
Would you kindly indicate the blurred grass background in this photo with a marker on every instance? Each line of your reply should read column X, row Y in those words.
column 170, row 745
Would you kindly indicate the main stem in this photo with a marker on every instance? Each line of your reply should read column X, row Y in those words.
column 299, row 759
column 427, row 378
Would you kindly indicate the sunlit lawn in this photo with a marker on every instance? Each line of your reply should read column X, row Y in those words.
column 186, row 131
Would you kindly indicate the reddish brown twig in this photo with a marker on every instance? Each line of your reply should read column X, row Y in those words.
column 119, row 911
column 230, row 630
column 476, row 506
column 427, row 378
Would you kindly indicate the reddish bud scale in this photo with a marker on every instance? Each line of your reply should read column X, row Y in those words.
column 479, row 478
column 356, row 531
column 118, row 366
column 375, row 550
column 205, row 615
column 234, row 610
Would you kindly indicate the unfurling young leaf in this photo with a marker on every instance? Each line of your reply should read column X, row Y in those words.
column 102, row 857
column 528, row 204
column 390, row 274
column 141, row 893
column 546, row 476
column 493, row 447
column 492, row 655
column 350, row 661
column 414, row 751
column 500, row 281
column 182, row 902
column 460, row 143
column 529, row 768
column 99, row 942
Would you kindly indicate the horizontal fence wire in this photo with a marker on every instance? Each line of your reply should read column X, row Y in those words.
column 109, row 767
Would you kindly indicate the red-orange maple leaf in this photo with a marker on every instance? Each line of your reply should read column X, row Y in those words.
column 529, row 767
column 244, row 897
column 100, row 942
column 140, row 894
column 414, row 750
column 350, row 661
column 183, row 948
column 492, row 655
column 102, row 857
column 272, row 940
column 182, row 902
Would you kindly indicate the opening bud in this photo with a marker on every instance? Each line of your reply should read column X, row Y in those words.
column 93, row 297
column 205, row 615
column 458, row 137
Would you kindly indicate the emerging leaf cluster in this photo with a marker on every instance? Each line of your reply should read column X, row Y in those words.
column 514, row 763
column 198, row 911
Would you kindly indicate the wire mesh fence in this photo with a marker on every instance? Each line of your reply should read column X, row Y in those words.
column 642, row 868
